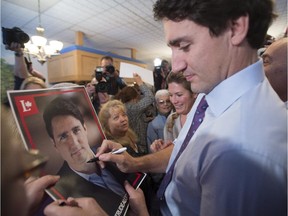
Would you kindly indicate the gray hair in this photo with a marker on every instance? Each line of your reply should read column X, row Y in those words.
column 161, row 92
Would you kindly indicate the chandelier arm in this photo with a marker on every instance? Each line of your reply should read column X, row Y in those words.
column 39, row 14
column 38, row 48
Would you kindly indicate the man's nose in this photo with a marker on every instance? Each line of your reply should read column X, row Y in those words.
column 73, row 140
column 178, row 62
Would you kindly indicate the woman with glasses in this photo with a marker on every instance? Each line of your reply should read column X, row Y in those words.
column 164, row 108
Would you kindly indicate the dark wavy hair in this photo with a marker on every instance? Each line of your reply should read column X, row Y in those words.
column 179, row 78
column 60, row 106
column 127, row 94
column 216, row 15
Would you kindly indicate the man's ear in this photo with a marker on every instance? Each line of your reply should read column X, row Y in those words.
column 239, row 29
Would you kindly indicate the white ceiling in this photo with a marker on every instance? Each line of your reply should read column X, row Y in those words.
column 110, row 25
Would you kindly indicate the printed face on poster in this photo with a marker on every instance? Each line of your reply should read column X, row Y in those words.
column 28, row 108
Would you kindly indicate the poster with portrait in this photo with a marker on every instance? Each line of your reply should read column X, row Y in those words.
column 28, row 107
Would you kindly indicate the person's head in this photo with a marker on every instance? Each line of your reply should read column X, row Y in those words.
column 33, row 83
column 108, row 68
column 106, row 60
column 212, row 40
column 163, row 103
column 127, row 94
column 165, row 66
column 180, row 92
column 114, row 119
column 275, row 66
column 16, row 164
column 65, row 126
column 12, row 184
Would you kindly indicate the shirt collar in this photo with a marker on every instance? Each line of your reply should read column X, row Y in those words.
column 229, row 90
column 83, row 175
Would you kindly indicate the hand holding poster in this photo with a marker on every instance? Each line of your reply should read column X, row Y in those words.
column 62, row 125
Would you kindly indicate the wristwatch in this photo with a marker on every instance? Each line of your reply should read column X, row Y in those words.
column 18, row 54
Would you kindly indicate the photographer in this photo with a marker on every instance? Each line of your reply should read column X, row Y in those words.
column 14, row 40
column 97, row 98
column 160, row 74
column 111, row 75
column 105, row 84
column 23, row 69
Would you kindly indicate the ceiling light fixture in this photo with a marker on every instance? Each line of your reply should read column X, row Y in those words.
column 37, row 46
column 157, row 62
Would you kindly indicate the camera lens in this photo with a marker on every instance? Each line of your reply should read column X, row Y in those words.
column 110, row 69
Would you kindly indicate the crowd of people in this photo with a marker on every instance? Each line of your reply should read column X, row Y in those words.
column 211, row 134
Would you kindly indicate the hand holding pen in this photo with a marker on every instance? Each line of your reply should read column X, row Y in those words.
column 124, row 161
column 115, row 151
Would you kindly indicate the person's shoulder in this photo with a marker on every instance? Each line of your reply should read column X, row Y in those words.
column 156, row 121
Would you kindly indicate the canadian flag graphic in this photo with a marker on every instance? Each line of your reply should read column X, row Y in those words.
column 26, row 105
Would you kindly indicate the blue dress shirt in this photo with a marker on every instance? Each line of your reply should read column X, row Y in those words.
column 236, row 163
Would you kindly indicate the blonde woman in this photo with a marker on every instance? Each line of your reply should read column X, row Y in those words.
column 115, row 124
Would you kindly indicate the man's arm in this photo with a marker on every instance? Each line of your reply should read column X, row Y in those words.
column 154, row 163
column 20, row 69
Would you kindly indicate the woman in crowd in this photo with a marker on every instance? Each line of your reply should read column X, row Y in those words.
column 164, row 107
column 137, row 104
column 182, row 99
column 156, row 127
column 115, row 124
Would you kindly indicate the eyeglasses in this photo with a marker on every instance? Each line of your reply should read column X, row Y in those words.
column 162, row 102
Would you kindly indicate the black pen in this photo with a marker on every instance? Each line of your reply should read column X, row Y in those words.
column 115, row 151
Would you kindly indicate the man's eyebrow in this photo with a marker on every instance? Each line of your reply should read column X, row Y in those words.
column 61, row 134
column 176, row 41
column 76, row 127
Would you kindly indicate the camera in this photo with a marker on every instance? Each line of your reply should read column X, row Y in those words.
column 14, row 35
column 101, row 86
column 107, row 72
column 157, row 70
column 110, row 69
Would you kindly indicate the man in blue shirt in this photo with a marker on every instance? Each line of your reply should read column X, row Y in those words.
column 236, row 162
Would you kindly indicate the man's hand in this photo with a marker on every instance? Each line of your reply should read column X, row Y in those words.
column 16, row 47
column 154, row 163
column 159, row 144
column 138, row 79
column 90, row 88
column 124, row 161
column 137, row 201
column 75, row 207
column 35, row 189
